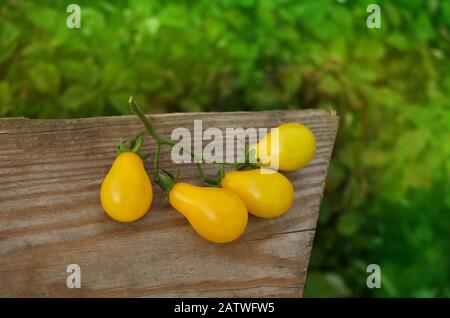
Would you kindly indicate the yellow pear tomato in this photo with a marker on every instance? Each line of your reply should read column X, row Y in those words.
column 295, row 150
column 218, row 215
column 265, row 195
column 126, row 192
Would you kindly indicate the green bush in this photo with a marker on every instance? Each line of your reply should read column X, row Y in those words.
column 387, row 197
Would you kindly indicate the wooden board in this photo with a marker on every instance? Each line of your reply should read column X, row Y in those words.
column 50, row 216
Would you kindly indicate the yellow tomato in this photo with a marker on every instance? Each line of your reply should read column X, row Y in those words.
column 297, row 146
column 126, row 192
column 265, row 195
column 218, row 215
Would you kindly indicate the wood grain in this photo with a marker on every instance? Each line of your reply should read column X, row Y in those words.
column 50, row 216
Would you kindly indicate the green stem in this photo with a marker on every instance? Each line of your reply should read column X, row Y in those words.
column 160, row 140
column 148, row 125
column 156, row 162
column 137, row 143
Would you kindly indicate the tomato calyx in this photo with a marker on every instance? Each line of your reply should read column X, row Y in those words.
column 211, row 181
column 167, row 180
column 135, row 146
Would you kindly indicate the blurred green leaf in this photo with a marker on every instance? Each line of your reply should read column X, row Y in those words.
column 75, row 97
column 45, row 77
column 120, row 102
column 349, row 223
column 326, row 285
column 5, row 99
column 9, row 35
column 43, row 18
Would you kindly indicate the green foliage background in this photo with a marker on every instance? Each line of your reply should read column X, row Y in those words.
column 387, row 198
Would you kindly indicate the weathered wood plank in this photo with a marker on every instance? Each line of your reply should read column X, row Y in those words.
column 50, row 216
